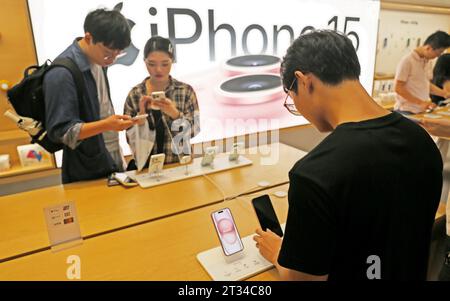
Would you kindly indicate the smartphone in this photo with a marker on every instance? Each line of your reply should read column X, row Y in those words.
column 227, row 231
column 156, row 163
column 159, row 95
column 124, row 179
column 208, row 157
column 234, row 155
column 266, row 214
column 139, row 117
column 112, row 181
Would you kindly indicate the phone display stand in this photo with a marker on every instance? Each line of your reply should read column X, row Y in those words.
column 234, row 257
column 157, row 174
column 185, row 161
column 169, row 175
column 235, row 153
column 236, row 267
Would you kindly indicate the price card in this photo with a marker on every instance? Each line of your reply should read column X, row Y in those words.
column 62, row 223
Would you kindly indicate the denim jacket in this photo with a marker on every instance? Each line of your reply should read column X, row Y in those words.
column 89, row 158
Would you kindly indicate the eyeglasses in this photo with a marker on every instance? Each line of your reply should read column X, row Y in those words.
column 110, row 53
column 290, row 106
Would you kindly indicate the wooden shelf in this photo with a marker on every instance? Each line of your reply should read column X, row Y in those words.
column 391, row 5
column 13, row 135
column 382, row 76
column 19, row 170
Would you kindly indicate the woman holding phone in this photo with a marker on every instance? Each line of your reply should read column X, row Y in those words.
column 171, row 105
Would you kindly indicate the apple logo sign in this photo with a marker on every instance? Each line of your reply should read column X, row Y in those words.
column 129, row 55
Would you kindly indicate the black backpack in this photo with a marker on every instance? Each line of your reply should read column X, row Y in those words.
column 27, row 97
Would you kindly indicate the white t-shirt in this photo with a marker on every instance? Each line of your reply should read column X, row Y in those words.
column 111, row 138
column 417, row 73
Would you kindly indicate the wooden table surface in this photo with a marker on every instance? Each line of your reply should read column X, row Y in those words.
column 164, row 249
column 103, row 209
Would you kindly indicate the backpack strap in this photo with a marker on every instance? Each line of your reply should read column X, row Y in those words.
column 74, row 70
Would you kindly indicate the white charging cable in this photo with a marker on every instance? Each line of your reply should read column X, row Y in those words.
column 179, row 159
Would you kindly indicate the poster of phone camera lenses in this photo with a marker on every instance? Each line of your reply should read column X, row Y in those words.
column 228, row 51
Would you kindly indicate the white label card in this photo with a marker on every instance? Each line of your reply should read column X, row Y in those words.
column 62, row 223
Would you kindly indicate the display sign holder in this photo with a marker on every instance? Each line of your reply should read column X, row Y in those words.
column 63, row 226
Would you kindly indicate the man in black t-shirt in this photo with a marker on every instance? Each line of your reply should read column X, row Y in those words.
column 362, row 203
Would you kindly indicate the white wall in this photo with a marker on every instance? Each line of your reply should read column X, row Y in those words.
column 396, row 28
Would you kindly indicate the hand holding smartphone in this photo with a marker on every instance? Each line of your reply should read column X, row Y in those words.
column 139, row 117
column 157, row 96
column 227, row 232
column 266, row 214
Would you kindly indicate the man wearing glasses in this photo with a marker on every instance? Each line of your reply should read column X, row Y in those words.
column 362, row 203
column 87, row 125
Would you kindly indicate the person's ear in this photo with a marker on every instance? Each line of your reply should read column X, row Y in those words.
column 88, row 38
column 304, row 80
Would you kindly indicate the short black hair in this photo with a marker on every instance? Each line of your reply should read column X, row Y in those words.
column 439, row 39
column 158, row 43
column 441, row 71
column 109, row 27
column 325, row 53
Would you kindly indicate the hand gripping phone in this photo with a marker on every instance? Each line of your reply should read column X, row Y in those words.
column 157, row 96
column 227, row 232
column 266, row 214
column 139, row 117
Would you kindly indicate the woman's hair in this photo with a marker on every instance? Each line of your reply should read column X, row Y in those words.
column 441, row 74
column 158, row 43
column 441, row 71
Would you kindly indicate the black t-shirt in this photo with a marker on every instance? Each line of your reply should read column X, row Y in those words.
column 438, row 81
column 369, row 188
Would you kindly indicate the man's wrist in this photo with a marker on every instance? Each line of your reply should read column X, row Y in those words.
column 104, row 125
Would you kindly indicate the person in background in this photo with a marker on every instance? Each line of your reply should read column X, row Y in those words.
column 88, row 126
column 412, row 79
column 441, row 77
column 179, row 109
column 362, row 203
column 441, row 128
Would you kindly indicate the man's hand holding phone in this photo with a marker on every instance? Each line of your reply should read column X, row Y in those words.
column 268, row 239
column 118, row 122
column 269, row 244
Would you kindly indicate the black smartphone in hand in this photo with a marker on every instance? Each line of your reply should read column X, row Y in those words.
column 266, row 214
